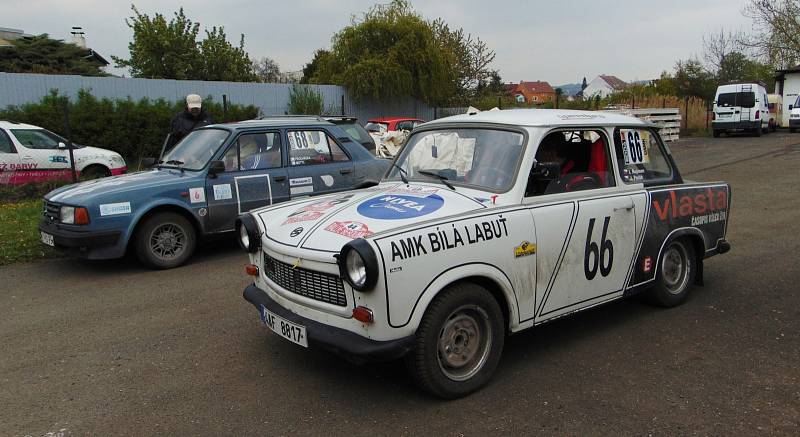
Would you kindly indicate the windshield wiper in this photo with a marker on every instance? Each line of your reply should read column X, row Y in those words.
column 437, row 176
column 173, row 162
column 402, row 173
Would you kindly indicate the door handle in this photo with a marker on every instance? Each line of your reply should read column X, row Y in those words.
column 345, row 171
column 279, row 178
column 626, row 207
column 27, row 157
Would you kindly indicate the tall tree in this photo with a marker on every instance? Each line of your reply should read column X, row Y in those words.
column 472, row 56
column 41, row 54
column 164, row 49
column 693, row 80
column 777, row 31
column 267, row 70
column 220, row 60
column 717, row 46
column 321, row 56
column 389, row 52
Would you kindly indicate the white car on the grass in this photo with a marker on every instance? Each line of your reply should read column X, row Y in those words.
column 30, row 153
column 487, row 224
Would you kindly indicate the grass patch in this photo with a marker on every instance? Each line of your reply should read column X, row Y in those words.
column 19, row 235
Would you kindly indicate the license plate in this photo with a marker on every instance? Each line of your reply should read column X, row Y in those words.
column 724, row 114
column 286, row 329
column 47, row 239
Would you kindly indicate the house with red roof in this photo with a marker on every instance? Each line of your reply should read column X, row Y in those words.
column 603, row 86
column 536, row 92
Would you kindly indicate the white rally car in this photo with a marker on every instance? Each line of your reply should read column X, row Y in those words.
column 486, row 225
column 30, row 153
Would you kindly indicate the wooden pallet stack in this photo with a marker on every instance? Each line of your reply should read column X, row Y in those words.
column 668, row 120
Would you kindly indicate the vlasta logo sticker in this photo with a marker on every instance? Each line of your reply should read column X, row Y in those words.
column 398, row 207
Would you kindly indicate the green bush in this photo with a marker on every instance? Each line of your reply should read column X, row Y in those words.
column 305, row 100
column 134, row 129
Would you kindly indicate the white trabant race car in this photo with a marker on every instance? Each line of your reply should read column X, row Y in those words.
column 486, row 224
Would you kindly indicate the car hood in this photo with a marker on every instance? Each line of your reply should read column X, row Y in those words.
column 325, row 224
column 85, row 192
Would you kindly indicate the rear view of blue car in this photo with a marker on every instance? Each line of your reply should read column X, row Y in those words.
column 201, row 185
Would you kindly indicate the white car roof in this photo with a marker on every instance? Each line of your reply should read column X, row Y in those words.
column 543, row 117
column 12, row 125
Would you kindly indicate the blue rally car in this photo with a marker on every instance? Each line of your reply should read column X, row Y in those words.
column 201, row 185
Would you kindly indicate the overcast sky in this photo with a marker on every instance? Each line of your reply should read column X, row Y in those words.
column 557, row 41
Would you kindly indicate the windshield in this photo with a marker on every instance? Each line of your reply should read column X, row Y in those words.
column 356, row 132
column 744, row 100
column 39, row 139
column 483, row 158
column 195, row 149
column 376, row 127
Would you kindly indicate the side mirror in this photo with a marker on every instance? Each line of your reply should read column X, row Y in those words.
column 216, row 168
column 61, row 145
column 148, row 162
column 546, row 170
column 790, row 107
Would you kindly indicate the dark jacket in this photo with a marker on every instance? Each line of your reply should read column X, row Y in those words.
column 184, row 122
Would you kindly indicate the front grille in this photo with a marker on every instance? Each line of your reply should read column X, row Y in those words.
column 319, row 286
column 51, row 212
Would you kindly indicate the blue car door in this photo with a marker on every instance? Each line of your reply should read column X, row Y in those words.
column 318, row 164
column 255, row 176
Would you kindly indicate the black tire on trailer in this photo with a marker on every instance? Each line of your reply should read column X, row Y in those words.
column 165, row 240
column 677, row 268
column 458, row 342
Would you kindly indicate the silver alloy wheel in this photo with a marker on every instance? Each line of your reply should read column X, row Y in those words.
column 675, row 268
column 167, row 241
column 464, row 344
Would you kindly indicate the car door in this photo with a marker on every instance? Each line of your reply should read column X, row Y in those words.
column 585, row 224
column 318, row 164
column 39, row 150
column 255, row 175
column 9, row 159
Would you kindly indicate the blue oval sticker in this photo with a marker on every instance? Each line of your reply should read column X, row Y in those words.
column 398, row 207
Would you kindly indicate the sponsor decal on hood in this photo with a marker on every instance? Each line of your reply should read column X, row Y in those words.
column 332, row 221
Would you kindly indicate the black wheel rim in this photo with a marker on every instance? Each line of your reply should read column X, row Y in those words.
column 167, row 241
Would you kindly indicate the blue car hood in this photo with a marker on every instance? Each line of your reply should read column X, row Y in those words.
column 109, row 187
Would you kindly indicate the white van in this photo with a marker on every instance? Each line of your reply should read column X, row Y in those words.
column 794, row 116
column 741, row 107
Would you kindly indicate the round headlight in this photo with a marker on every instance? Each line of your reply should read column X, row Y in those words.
column 249, row 235
column 244, row 239
column 358, row 265
column 356, row 269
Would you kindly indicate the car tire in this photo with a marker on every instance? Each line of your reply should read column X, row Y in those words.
column 165, row 240
column 792, row 130
column 95, row 171
column 458, row 342
column 716, row 133
column 677, row 268
column 757, row 131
